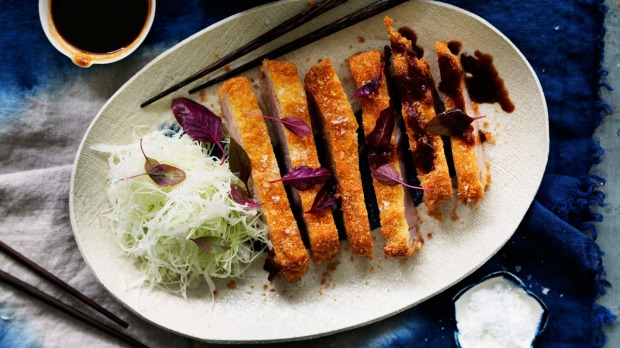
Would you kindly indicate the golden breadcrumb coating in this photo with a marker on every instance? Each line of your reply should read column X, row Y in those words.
column 283, row 79
column 340, row 131
column 239, row 103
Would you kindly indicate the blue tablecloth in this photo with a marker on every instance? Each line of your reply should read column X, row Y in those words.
column 45, row 110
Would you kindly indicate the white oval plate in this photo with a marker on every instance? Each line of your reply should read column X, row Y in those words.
column 348, row 292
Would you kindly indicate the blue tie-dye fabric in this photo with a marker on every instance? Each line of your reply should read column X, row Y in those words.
column 553, row 250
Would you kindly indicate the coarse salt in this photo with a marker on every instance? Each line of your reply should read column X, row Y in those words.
column 497, row 313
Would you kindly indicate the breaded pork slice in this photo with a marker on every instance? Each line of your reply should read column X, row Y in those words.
column 239, row 106
column 397, row 213
column 472, row 170
column 285, row 96
column 416, row 86
column 339, row 128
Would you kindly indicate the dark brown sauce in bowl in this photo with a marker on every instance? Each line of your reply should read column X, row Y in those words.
column 100, row 26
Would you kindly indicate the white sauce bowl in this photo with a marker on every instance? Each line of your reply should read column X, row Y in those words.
column 80, row 57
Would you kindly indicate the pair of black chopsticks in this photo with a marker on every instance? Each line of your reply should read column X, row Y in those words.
column 276, row 32
column 44, row 297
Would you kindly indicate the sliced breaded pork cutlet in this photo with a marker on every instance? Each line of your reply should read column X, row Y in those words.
column 339, row 127
column 415, row 84
column 240, row 107
column 471, row 167
column 397, row 213
column 284, row 95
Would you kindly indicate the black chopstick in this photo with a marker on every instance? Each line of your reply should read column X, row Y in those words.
column 281, row 29
column 15, row 255
column 42, row 296
column 318, row 34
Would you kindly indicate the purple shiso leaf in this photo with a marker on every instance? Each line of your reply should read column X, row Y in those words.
column 241, row 197
column 296, row 125
column 166, row 175
column 239, row 162
column 325, row 198
column 452, row 122
column 387, row 175
column 304, row 177
column 150, row 162
column 371, row 86
column 380, row 138
column 198, row 122
column 211, row 245
column 162, row 174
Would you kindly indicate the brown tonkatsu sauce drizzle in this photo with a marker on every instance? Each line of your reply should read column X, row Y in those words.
column 455, row 47
column 451, row 78
column 485, row 85
column 412, row 89
column 410, row 35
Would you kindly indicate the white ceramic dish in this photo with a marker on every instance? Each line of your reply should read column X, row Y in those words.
column 348, row 292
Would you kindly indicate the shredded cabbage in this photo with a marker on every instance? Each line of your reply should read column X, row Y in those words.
column 154, row 224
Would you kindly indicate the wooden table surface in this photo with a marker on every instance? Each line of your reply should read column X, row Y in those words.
column 609, row 136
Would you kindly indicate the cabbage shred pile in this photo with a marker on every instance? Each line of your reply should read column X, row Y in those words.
column 155, row 224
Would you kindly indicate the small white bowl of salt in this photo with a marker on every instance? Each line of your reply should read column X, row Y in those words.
column 499, row 311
